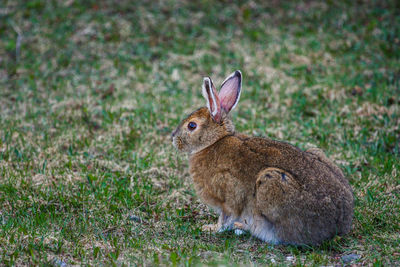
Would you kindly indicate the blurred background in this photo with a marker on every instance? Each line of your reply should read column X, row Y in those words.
column 91, row 90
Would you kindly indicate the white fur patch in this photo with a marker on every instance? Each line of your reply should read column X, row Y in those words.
column 260, row 228
column 238, row 232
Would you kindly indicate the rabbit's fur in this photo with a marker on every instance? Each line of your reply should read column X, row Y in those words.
column 279, row 193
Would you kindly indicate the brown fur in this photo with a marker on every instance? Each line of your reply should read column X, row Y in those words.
column 267, row 186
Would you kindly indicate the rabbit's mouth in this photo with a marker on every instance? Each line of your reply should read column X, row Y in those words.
column 177, row 143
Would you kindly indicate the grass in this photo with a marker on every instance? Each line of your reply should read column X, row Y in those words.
column 90, row 92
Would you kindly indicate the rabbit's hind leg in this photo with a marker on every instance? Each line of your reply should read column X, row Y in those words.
column 277, row 197
column 274, row 188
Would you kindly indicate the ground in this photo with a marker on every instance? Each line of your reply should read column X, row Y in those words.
column 91, row 90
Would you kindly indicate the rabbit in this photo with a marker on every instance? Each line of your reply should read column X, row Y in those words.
column 276, row 191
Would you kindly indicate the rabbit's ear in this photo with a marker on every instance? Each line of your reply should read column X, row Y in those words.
column 230, row 91
column 211, row 96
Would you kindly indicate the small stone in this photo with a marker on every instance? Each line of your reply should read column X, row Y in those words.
column 134, row 218
column 350, row 258
column 290, row 258
column 59, row 263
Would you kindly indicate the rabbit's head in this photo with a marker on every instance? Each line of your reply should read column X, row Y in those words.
column 207, row 125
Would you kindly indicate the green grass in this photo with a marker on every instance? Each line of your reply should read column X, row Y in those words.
column 90, row 92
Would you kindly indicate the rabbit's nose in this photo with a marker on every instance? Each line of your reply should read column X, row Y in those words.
column 174, row 133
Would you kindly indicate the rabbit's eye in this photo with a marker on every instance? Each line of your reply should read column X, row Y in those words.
column 192, row 125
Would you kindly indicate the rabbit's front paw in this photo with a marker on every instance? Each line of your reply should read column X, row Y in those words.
column 224, row 228
column 239, row 225
column 216, row 228
column 210, row 228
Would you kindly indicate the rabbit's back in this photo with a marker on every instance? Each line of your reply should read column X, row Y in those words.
column 244, row 157
column 312, row 169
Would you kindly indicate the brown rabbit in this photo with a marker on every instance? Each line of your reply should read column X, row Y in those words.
column 279, row 193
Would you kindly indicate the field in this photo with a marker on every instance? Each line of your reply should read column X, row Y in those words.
column 90, row 92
